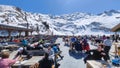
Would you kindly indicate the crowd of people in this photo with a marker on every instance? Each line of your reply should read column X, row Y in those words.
column 82, row 44
column 52, row 51
column 45, row 43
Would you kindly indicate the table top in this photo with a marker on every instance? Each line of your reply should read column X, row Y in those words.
column 9, row 46
column 98, row 63
column 29, row 62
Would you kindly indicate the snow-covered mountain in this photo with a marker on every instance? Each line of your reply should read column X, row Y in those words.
column 68, row 24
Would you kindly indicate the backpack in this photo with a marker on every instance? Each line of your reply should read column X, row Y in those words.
column 116, row 62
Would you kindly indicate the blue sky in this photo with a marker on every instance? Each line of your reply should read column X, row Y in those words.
column 57, row 7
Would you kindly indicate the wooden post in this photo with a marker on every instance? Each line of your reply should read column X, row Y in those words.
column 9, row 33
column 26, row 33
column 20, row 33
column 116, row 50
column 31, row 32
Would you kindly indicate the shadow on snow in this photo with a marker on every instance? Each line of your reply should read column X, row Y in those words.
column 76, row 55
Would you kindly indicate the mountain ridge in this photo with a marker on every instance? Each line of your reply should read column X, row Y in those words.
column 77, row 23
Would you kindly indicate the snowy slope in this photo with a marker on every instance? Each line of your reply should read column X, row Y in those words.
column 68, row 24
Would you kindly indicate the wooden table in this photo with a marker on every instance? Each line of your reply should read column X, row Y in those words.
column 36, row 52
column 10, row 47
column 97, row 64
column 28, row 63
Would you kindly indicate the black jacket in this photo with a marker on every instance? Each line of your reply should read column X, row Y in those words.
column 46, row 63
column 95, row 54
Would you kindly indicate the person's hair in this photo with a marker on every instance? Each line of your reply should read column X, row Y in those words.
column 101, row 45
column 46, row 55
column 108, row 37
column 5, row 54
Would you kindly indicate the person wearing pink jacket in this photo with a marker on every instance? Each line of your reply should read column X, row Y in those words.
column 5, row 61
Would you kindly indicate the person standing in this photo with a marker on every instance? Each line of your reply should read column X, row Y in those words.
column 107, row 44
column 57, row 51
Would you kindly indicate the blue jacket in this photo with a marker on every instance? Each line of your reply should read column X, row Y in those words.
column 55, row 49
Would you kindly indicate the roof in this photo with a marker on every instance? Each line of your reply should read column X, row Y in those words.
column 10, row 27
column 116, row 28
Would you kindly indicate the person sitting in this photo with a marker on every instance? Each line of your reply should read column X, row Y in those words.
column 46, row 62
column 25, row 42
column 22, row 51
column 78, row 46
column 41, row 41
column 85, row 45
column 95, row 54
column 73, row 39
column 5, row 61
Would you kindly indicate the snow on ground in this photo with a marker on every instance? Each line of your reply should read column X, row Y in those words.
column 70, row 60
column 76, row 60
